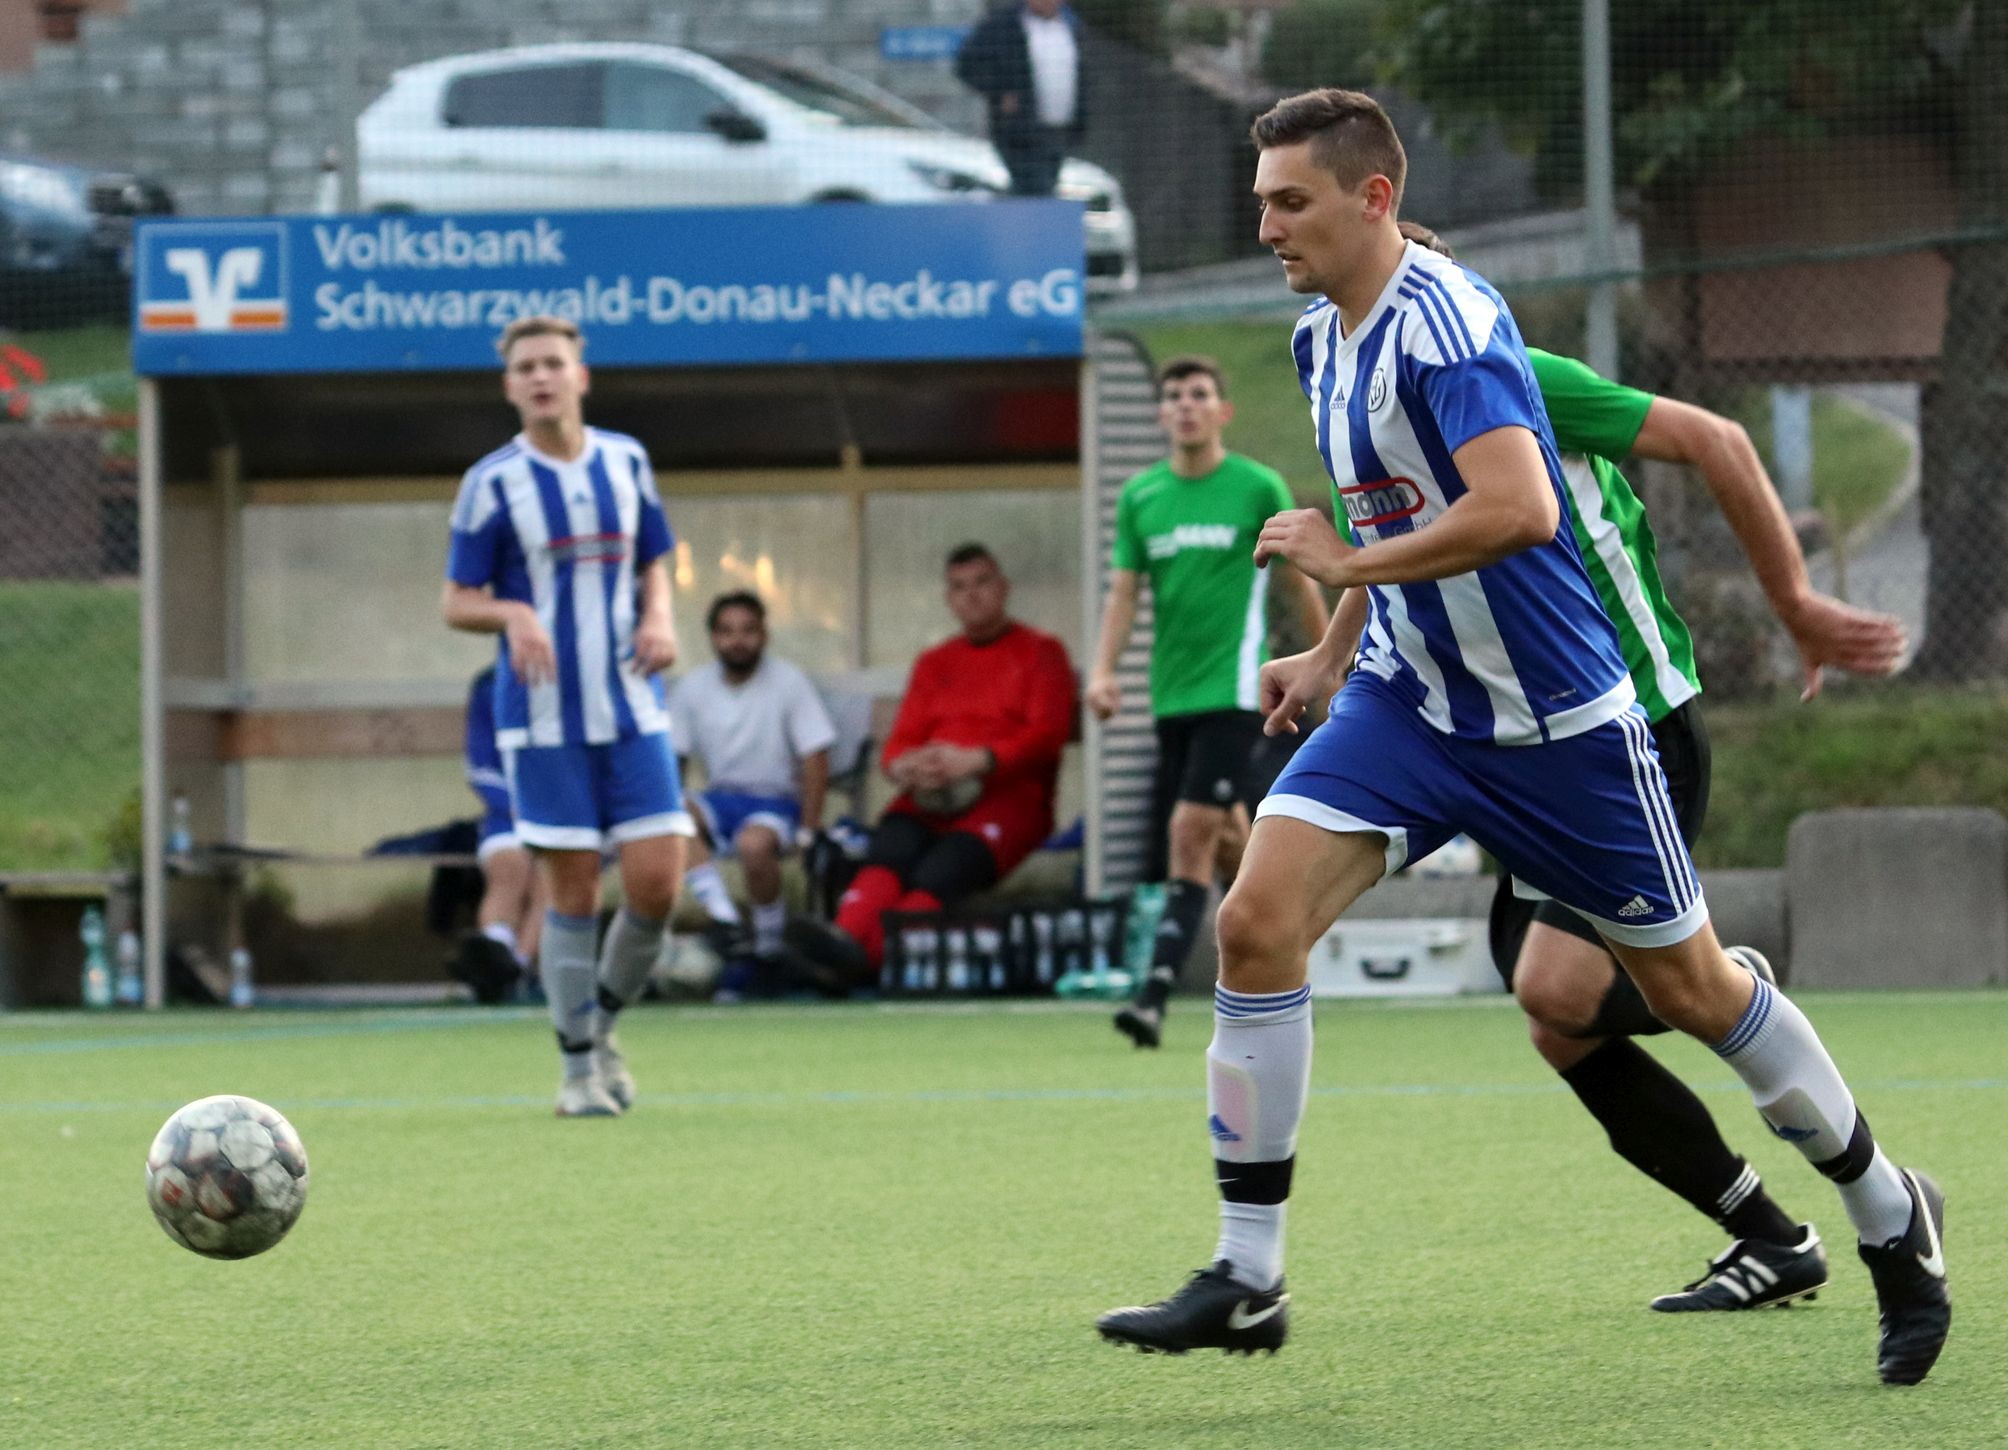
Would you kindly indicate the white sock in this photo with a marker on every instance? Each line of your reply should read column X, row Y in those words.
column 1799, row 1092
column 565, row 963
column 501, row 931
column 709, row 888
column 768, row 919
column 1258, row 1074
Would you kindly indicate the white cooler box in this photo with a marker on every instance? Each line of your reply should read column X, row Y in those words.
column 1404, row 957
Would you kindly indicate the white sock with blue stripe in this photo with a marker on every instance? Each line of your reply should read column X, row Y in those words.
column 1258, row 1074
column 1799, row 1092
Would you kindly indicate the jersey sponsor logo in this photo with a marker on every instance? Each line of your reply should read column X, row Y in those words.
column 1190, row 536
column 1372, row 505
column 589, row 549
column 224, row 278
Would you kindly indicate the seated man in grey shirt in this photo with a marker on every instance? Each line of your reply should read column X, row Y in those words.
column 759, row 728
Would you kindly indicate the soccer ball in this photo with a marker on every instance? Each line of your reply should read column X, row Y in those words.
column 227, row 1177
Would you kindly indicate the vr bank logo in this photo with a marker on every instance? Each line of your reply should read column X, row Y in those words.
column 213, row 278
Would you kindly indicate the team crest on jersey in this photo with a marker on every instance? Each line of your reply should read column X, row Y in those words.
column 1377, row 390
column 1377, row 504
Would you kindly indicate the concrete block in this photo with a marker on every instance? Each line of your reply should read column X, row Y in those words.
column 1898, row 897
column 1748, row 909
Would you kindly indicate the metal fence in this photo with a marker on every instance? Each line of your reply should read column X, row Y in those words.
column 1807, row 208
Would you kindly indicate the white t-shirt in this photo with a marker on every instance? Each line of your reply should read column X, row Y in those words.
column 750, row 736
column 1056, row 68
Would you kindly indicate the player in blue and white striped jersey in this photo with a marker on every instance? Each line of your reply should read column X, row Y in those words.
column 559, row 545
column 1492, row 697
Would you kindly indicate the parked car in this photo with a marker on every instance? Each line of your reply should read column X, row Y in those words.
column 629, row 125
column 66, row 241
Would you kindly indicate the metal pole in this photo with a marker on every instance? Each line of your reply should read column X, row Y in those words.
column 1094, row 854
column 152, row 724
column 1599, row 190
column 348, row 97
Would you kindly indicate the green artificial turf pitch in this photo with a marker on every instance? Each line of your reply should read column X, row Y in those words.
column 868, row 1226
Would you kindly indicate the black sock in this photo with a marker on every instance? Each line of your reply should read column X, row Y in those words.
column 1661, row 1128
column 1184, row 904
column 1623, row 1012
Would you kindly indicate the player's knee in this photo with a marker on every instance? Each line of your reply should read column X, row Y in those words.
column 1688, row 995
column 757, row 846
column 1561, row 1001
column 1255, row 937
column 1196, row 830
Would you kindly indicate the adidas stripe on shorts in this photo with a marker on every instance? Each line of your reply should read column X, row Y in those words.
column 1586, row 819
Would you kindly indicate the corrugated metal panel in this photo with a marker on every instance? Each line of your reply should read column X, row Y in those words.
column 1121, row 439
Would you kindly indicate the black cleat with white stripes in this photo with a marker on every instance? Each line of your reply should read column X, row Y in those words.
column 1909, row 1274
column 1752, row 1274
column 1213, row 1311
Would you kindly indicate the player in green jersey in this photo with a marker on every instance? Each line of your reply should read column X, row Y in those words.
column 1583, row 1011
column 1188, row 525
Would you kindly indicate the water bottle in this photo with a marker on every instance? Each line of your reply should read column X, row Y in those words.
column 240, row 978
column 97, row 971
column 131, row 988
column 180, row 839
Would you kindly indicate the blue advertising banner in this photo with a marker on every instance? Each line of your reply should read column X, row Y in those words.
column 832, row 283
column 921, row 42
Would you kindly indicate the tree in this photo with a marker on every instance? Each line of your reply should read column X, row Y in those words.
column 1693, row 78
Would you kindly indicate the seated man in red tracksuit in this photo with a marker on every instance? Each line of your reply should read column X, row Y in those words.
column 976, row 753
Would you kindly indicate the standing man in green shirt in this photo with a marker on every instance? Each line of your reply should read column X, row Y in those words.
column 1189, row 525
column 1582, row 1010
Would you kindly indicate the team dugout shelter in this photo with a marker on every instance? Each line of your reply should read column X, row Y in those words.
column 832, row 398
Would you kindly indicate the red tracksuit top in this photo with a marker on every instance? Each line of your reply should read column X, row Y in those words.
column 1013, row 696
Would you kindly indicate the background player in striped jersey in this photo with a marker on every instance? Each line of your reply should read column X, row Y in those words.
column 493, row 958
column 1582, row 1009
column 558, row 546
column 1492, row 696
column 1188, row 524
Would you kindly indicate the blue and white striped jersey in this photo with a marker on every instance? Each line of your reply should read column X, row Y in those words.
column 1516, row 652
column 567, row 539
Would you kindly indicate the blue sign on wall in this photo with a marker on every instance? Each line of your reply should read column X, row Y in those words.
column 921, row 42
column 832, row 283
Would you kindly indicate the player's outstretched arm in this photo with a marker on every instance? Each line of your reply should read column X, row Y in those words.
column 1825, row 631
column 1102, row 694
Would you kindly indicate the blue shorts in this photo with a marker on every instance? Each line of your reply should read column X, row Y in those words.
column 586, row 797
column 725, row 811
column 1586, row 820
column 498, row 822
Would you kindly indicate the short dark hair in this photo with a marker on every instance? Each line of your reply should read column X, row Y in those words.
column 1189, row 365
column 734, row 599
column 1422, row 236
column 1350, row 135
column 969, row 553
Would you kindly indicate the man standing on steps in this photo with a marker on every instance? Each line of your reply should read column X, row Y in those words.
column 1188, row 524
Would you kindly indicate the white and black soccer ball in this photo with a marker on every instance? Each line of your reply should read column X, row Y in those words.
column 227, row 1177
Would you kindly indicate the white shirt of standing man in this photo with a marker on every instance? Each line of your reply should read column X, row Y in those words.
column 1056, row 63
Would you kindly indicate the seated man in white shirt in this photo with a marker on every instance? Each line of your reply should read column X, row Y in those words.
column 763, row 737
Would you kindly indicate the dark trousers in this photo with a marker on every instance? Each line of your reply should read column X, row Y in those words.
column 1032, row 154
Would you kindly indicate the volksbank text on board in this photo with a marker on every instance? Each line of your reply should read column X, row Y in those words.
column 746, row 285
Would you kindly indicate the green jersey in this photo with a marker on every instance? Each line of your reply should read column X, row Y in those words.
column 1596, row 421
column 1195, row 538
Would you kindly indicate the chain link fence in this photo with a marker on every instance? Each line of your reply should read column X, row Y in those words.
column 1812, row 238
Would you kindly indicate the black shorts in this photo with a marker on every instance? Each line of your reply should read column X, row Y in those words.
column 1203, row 758
column 1683, row 755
